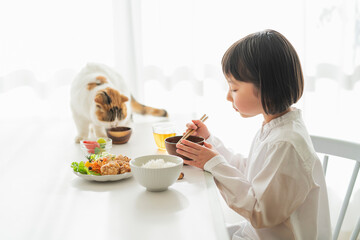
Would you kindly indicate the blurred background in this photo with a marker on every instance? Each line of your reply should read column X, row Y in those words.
column 169, row 52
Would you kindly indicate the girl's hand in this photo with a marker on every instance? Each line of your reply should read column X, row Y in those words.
column 199, row 154
column 200, row 129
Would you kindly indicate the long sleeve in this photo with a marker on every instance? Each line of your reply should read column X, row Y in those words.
column 280, row 186
column 236, row 160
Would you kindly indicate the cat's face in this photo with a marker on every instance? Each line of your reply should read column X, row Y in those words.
column 110, row 106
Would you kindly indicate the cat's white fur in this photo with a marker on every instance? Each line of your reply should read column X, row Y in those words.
column 82, row 100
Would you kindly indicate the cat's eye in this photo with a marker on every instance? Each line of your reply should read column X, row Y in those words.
column 98, row 106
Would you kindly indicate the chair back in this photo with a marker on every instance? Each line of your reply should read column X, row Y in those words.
column 349, row 150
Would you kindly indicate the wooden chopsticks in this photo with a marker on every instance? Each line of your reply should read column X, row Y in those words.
column 190, row 131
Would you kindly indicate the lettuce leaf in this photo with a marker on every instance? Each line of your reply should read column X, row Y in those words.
column 94, row 173
column 74, row 166
column 81, row 168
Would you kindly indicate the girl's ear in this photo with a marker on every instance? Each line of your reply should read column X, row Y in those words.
column 124, row 98
column 257, row 91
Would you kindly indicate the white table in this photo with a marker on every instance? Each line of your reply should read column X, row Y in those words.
column 41, row 198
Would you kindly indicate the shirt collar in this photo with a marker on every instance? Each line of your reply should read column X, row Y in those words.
column 294, row 113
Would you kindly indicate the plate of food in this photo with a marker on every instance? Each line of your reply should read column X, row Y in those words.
column 103, row 167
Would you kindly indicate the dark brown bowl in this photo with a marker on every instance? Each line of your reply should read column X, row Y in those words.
column 119, row 135
column 170, row 144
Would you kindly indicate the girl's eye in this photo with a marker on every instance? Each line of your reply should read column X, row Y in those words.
column 233, row 90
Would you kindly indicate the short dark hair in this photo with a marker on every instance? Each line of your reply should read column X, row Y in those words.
column 269, row 61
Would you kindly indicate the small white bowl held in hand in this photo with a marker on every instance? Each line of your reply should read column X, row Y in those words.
column 156, row 179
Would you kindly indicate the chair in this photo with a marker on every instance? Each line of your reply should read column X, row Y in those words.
column 344, row 149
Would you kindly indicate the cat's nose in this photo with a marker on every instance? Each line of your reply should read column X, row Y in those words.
column 121, row 115
column 112, row 114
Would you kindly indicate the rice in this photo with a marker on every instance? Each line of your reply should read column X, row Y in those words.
column 158, row 163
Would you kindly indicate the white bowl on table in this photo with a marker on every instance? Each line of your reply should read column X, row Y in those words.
column 156, row 179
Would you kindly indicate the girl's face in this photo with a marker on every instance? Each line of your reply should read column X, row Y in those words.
column 244, row 97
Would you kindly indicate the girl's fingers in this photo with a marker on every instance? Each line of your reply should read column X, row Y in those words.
column 190, row 162
column 198, row 123
column 186, row 154
column 191, row 125
column 208, row 145
column 187, row 149
column 191, row 144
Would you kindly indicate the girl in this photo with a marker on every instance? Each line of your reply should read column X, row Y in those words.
column 280, row 187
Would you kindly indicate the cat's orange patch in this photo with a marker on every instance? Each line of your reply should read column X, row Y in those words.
column 145, row 110
column 98, row 81
column 110, row 105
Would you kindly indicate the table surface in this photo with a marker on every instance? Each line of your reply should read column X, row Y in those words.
column 41, row 197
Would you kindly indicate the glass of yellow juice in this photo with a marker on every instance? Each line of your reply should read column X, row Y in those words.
column 161, row 131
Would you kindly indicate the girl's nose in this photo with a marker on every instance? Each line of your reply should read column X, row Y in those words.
column 229, row 97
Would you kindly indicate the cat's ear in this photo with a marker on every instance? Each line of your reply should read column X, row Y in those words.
column 101, row 79
column 98, row 81
column 99, row 99
column 124, row 98
column 102, row 97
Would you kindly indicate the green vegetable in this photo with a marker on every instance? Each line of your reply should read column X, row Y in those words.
column 97, row 150
column 100, row 154
column 94, row 173
column 75, row 166
column 81, row 168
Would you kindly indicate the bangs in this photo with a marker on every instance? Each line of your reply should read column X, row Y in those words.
column 233, row 63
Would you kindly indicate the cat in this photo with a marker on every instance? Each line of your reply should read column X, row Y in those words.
column 100, row 99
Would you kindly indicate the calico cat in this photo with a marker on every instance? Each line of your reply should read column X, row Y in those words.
column 101, row 99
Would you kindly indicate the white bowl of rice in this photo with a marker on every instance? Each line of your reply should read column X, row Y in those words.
column 156, row 172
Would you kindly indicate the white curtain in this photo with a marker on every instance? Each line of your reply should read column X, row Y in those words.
column 169, row 52
column 127, row 47
column 43, row 44
column 332, row 64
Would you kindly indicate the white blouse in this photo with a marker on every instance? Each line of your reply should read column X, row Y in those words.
column 280, row 188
